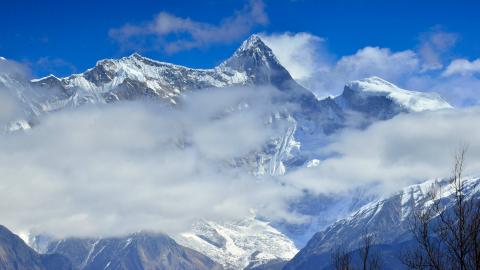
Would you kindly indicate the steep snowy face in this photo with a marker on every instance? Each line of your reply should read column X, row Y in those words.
column 136, row 77
column 237, row 245
column 389, row 219
column 378, row 98
column 258, row 62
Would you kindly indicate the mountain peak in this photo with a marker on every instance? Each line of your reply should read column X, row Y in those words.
column 135, row 55
column 138, row 57
column 254, row 47
column 258, row 62
column 252, row 42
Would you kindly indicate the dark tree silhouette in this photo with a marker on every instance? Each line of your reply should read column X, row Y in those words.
column 342, row 259
column 448, row 237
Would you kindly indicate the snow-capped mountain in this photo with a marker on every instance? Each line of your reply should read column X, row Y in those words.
column 389, row 219
column 238, row 245
column 378, row 98
column 307, row 121
column 138, row 77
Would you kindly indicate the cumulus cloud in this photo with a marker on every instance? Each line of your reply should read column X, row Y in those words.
column 302, row 53
column 305, row 56
column 462, row 67
column 126, row 167
column 381, row 62
column 188, row 33
column 421, row 69
column 369, row 61
column 392, row 154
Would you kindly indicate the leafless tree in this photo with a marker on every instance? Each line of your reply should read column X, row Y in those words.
column 448, row 236
column 342, row 260
column 368, row 260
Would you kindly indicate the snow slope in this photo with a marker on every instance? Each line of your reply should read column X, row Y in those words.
column 410, row 100
column 388, row 219
column 236, row 245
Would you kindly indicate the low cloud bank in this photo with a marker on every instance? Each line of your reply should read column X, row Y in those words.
column 119, row 168
column 392, row 154
column 115, row 169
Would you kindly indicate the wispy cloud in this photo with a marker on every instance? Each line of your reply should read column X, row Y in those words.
column 433, row 46
column 11, row 74
column 14, row 69
column 51, row 65
column 171, row 33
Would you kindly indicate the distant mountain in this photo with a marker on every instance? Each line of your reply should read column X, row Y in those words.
column 16, row 254
column 387, row 219
column 134, row 252
column 380, row 99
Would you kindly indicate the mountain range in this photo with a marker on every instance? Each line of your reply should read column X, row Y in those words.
column 237, row 245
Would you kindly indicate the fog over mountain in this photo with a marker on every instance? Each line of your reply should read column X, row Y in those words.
column 239, row 163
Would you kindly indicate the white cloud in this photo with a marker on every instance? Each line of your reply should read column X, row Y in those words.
column 11, row 73
column 462, row 67
column 306, row 57
column 10, row 108
column 392, row 154
column 13, row 69
column 147, row 167
column 366, row 62
column 189, row 33
column 301, row 53
column 126, row 167
column 375, row 61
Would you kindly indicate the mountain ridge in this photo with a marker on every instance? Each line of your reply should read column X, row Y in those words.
column 387, row 218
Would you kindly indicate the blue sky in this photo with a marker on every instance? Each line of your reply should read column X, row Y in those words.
column 61, row 37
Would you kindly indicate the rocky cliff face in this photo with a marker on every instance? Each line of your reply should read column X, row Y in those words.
column 16, row 254
column 140, row 251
